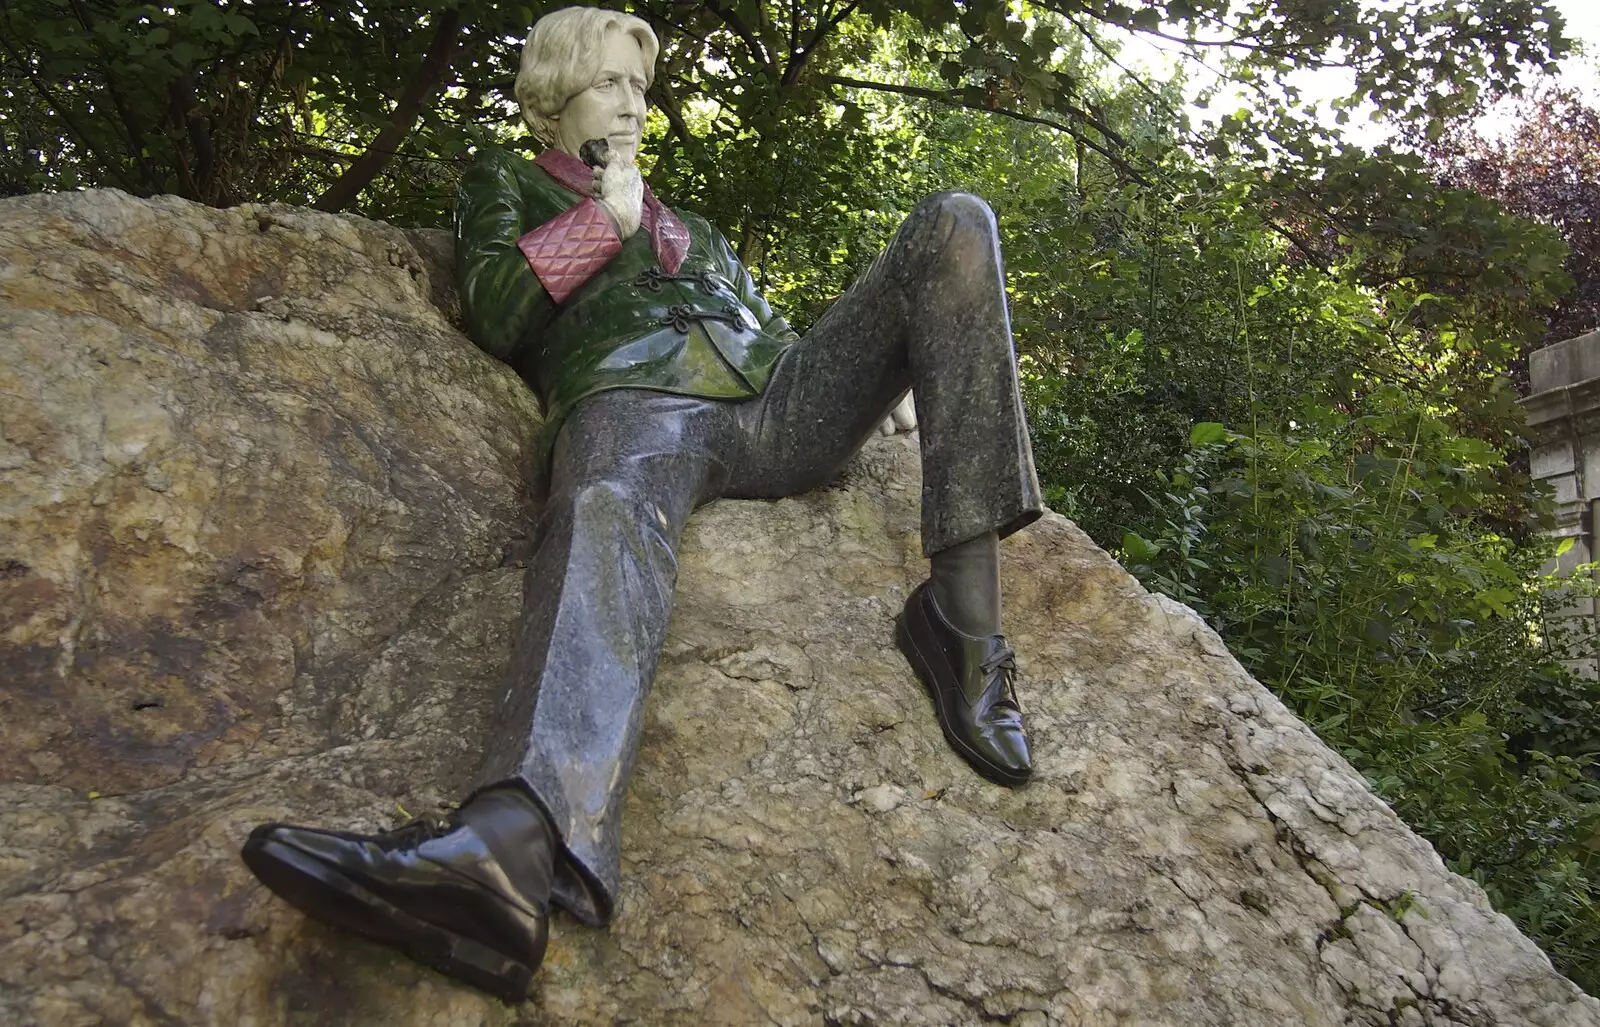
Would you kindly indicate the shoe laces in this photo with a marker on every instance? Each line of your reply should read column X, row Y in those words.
column 1004, row 659
column 418, row 830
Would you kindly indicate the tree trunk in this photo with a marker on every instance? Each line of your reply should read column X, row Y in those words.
column 435, row 64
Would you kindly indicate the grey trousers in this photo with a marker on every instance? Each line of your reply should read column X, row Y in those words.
column 630, row 465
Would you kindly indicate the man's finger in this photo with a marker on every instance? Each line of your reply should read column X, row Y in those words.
column 904, row 415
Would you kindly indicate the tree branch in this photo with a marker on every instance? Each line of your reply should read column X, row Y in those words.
column 740, row 29
column 825, row 25
column 60, row 111
column 1316, row 259
column 1278, row 51
column 955, row 101
column 664, row 26
column 320, row 153
column 274, row 72
column 135, row 136
column 1283, row 231
column 350, row 157
column 181, row 91
column 667, row 104
column 435, row 65
column 1097, row 123
column 1108, row 55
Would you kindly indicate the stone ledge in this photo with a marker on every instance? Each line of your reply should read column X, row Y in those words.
column 1565, row 363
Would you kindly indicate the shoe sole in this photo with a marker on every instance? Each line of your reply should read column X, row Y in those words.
column 327, row 895
column 924, row 671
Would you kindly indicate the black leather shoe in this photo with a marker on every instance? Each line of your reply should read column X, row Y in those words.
column 435, row 891
column 970, row 680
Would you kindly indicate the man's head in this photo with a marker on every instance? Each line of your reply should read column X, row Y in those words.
column 583, row 76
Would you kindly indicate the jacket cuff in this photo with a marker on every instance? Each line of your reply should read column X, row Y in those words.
column 567, row 251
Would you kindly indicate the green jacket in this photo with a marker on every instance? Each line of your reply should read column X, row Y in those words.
column 622, row 316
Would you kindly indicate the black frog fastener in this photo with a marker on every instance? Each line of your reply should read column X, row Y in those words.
column 681, row 315
column 709, row 281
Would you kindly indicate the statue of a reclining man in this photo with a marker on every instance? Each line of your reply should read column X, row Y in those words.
column 668, row 382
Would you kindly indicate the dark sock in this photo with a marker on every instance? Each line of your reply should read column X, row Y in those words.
column 520, row 836
column 966, row 585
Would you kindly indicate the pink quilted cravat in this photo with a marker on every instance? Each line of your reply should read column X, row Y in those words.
column 566, row 251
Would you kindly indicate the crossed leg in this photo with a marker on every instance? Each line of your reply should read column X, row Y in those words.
column 930, row 314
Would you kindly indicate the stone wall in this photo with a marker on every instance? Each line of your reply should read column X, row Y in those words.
column 1563, row 411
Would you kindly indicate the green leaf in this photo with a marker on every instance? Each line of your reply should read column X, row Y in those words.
column 1138, row 549
column 1146, row 18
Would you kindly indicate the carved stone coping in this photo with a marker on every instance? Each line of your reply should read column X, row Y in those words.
column 1578, row 402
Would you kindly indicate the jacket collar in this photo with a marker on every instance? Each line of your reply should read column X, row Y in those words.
column 568, row 170
column 668, row 234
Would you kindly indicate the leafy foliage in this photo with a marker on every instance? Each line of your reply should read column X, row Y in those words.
column 1343, row 561
column 1546, row 169
column 367, row 105
column 225, row 101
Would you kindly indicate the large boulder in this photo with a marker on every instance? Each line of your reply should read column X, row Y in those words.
column 261, row 514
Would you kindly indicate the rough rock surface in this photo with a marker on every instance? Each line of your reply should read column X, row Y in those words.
column 259, row 517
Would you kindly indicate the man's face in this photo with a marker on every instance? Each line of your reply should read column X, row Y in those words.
column 613, row 108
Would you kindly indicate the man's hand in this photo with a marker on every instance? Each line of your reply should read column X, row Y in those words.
column 902, row 418
column 620, row 191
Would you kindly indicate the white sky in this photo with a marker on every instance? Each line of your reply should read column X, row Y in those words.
column 1581, row 71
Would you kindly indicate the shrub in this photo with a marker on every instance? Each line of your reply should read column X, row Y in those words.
column 1345, row 562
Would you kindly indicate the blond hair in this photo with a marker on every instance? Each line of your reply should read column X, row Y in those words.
column 562, row 57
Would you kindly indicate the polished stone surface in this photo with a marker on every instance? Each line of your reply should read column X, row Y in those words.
column 630, row 465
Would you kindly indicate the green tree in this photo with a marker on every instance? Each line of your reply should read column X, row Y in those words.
column 365, row 106
column 1547, row 169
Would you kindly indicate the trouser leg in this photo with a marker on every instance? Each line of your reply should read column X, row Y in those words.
column 930, row 315
column 627, row 470
column 966, row 584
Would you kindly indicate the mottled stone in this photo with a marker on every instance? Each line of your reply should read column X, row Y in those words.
column 260, row 508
